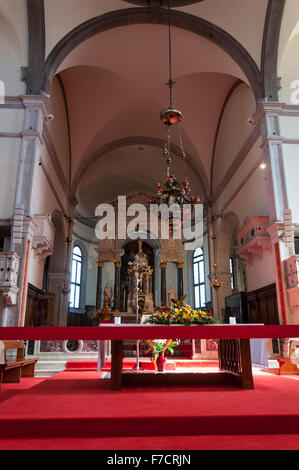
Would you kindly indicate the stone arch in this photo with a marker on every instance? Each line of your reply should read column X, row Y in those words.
column 271, row 39
column 197, row 167
column 132, row 16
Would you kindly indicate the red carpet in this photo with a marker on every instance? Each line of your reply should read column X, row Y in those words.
column 9, row 390
column 146, row 364
column 171, row 443
column 80, row 405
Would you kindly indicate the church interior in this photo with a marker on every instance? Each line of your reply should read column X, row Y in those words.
column 82, row 86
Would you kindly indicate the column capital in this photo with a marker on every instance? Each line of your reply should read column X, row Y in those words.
column 180, row 264
column 100, row 262
column 163, row 264
column 117, row 263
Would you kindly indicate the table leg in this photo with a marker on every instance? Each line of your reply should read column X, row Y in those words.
column 116, row 365
column 235, row 359
column 247, row 378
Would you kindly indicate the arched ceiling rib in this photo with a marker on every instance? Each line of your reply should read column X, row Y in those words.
column 115, row 84
column 137, row 16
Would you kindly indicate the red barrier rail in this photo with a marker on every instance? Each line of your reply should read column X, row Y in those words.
column 134, row 332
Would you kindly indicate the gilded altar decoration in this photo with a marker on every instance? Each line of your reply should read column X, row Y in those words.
column 140, row 292
column 105, row 313
column 182, row 314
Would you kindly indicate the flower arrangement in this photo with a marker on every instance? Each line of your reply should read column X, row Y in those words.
column 161, row 346
column 182, row 314
column 158, row 348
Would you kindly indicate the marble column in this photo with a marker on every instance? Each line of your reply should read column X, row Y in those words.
column 100, row 264
column 180, row 265
column 117, row 264
column 163, row 265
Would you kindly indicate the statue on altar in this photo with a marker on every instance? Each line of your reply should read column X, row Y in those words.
column 171, row 297
column 108, row 293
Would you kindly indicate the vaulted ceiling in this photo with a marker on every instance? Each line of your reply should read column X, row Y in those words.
column 110, row 59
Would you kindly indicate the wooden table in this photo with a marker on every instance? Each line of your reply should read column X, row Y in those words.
column 234, row 347
column 234, row 364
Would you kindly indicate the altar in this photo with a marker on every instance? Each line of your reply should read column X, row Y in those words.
column 234, row 356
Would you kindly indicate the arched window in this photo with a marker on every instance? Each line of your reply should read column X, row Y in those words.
column 76, row 276
column 199, row 279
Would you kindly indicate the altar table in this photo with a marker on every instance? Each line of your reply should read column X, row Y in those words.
column 234, row 348
column 234, row 364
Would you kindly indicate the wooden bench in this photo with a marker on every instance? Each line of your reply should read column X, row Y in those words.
column 11, row 371
column 288, row 365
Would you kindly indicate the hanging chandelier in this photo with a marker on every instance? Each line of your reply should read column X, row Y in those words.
column 173, row 192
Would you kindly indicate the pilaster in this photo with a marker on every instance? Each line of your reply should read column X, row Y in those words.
column 272, row 146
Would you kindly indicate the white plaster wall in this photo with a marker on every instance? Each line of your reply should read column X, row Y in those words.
column 291, row 166
column 234, row 130
column 44, row 200
column 289, row 71
column 58, row 127
column 242, row 19
column 11, row 120
column 289, row 21
column 63, row 16
column 289, row 126
column 250, row 201
column 14, row 45
column 261, row 273
column 252, row 198
column 248, row 193
column 36, row 271
column 10, row 149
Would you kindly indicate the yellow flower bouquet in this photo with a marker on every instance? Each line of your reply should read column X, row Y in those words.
column 182, row 314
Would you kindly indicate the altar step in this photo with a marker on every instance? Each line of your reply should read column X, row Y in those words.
column 183, row 350
column 146, row 364
column 79, row 405
column 50, row 364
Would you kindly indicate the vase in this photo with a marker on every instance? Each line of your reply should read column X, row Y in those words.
column 161, row 362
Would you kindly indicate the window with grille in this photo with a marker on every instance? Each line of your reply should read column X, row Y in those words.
column 76, row 276
column 199, row 279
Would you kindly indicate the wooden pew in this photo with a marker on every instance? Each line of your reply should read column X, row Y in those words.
column 12, row 371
